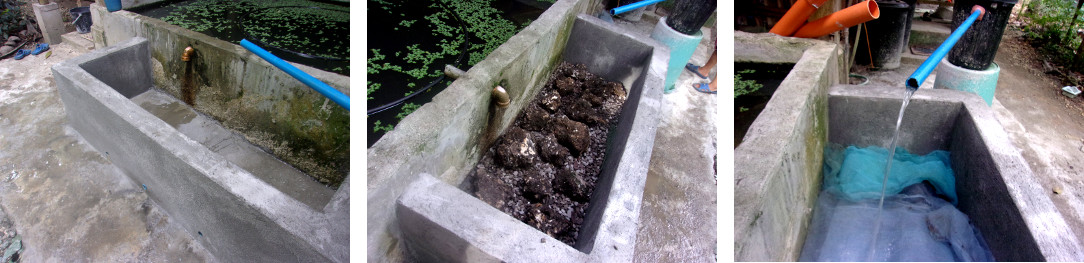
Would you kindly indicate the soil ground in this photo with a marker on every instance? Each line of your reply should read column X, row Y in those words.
column 1046, row 126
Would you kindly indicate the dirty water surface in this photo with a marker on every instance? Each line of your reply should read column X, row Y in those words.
column 543, row 169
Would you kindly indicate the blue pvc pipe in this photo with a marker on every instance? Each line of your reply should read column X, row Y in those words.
column 319, row 86
column 630, row 7
column 924, row 70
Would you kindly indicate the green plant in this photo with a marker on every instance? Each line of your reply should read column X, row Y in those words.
column 12, row 19
column 742, row 87
column 1051, row 28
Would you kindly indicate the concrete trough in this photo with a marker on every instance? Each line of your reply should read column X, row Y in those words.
column 216, row 186
column 996, row 188
column 440, row 222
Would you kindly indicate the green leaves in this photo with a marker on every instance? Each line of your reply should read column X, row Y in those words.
column 742, row 87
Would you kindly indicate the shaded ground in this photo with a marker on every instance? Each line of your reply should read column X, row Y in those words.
column 543, row 170
column 66, row 200
column 1047, row 127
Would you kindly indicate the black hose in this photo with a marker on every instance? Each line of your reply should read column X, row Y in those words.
column 458, row 60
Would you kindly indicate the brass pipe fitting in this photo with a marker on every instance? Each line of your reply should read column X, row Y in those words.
column 188, row 51
column 500, row 97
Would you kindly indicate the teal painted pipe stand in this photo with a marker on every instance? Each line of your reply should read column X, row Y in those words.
column 681, row 50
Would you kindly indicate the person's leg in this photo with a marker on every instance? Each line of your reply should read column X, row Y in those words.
column 706, row 69
column 712, row 85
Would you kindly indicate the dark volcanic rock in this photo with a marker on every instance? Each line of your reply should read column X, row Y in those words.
column 571, row 134
column 515, row 148
column 543, row 169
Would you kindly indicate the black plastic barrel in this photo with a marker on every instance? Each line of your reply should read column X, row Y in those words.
column 689, row 16
column 81, row 19
column 977, row 47
column 887, row 35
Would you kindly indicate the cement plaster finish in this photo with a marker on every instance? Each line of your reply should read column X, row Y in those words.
column 783, row 150
column 242, row 91
column 67, row 201
column 610, row 227
column 997, row 189
column 428, row 141
column 49, row 21
column 234, row 148
column 228, row 210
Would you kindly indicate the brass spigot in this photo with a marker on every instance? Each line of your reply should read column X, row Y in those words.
column 187, row 53
column 501, row 97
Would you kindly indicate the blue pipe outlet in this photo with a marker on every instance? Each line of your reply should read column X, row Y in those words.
column 632, row 6
column 927, row 66
column 319, row 86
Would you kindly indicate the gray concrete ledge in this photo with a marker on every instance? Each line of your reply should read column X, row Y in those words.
column 783, row 150
column 232, row 213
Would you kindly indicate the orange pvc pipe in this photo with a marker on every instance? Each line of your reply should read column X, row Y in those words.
column 848, row 17
column 796, row 17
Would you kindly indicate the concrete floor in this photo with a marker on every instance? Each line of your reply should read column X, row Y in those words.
column 66, row 200
column 677, row 220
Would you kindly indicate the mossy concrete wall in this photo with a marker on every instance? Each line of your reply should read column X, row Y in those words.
column 243, row 92
column 778, row 165
column 446, row 136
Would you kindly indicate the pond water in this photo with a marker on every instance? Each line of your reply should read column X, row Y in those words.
column 313, row 33
column 749, row 106
column 410, row 42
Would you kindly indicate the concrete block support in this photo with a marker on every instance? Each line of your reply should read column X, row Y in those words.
column 231, row 212
column 50, row 21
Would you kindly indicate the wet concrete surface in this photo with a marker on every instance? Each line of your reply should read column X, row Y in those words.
column 66, row 200
column 678, row 217
column 234, row 148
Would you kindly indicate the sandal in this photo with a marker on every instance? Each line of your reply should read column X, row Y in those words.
column 41, row 48
column 703, row 87
column 22, row 53
column 695, row 69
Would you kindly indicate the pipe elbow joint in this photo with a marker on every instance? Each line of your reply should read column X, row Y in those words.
column 187, row 55
column 500, row 97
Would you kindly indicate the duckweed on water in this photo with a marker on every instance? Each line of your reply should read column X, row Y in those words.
column 306, row 27
column 423, row 61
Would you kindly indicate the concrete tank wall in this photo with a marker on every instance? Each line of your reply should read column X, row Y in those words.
column 778, row 166
column 445, row 137
column 230, row 211
column 244, row 92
